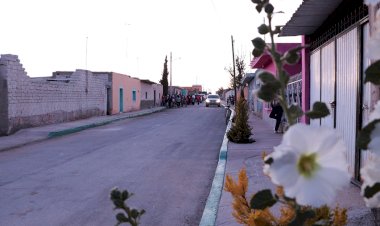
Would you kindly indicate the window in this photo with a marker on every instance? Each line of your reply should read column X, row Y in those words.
column 134, row 95
column 146, row 95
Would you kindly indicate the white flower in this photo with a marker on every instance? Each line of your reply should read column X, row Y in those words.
column 310, row 164
column 371, row 175
column 374, row 144
column 371, row 2
column 373, row 43
column 375, row 114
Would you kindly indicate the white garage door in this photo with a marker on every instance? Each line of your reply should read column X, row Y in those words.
column 315, row 81
column 347, row 91
column 328, row 81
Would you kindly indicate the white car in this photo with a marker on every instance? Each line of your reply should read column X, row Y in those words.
column 213, row 99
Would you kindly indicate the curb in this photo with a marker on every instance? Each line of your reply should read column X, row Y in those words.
column 212, row 205
column 92, row 125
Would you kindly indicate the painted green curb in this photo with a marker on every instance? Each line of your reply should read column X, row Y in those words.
column 92, row 125
column 211, row 209
column 76, row 129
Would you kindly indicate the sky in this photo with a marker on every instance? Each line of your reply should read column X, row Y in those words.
column 133, row 37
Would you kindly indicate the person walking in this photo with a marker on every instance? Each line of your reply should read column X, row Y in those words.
column 276, row 113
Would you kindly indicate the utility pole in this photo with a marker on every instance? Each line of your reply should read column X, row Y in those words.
column 233, row 65
column 171, row 61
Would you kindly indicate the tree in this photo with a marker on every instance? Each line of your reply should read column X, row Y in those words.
column 240, row 65
column 220, row 91
column 231, row 72
column 164, row 80
column 240, row 132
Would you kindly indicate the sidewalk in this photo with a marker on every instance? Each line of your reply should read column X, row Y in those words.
column 35, row 134
column 249, row 156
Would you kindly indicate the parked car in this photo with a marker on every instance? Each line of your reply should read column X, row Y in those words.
column 213, row 99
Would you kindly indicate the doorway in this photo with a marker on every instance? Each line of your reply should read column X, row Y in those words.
column 121, row 100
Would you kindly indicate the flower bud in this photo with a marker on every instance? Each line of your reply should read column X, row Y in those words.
column 258, row 43
column 257, row 52
column 269, row 8
column 263, row 29
column 292, row 58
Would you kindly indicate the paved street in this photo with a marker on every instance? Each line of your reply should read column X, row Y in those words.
column 167, row 159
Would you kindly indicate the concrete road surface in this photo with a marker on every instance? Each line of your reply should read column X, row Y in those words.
column 167, row 159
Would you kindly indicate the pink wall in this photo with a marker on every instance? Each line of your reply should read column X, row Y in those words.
column 265, row 63
column 128, row 85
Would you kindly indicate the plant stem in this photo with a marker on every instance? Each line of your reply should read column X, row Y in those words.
column 279, row 72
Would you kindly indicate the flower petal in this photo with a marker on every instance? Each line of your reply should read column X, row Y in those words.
column 282, row 171
column 321, row 189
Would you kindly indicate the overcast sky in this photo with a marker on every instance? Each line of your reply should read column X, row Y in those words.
column 134, row 36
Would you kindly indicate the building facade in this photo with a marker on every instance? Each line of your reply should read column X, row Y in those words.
column 333, row 68
column 125, row 93
column 151, row 94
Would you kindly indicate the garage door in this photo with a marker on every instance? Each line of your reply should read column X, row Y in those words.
column 347, row 78
column 315, row 81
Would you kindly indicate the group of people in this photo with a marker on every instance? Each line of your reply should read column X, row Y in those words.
column 231, row 100
column 179, row 100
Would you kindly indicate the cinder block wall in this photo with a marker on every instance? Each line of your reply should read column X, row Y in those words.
column 3, row 98
column 41, row 101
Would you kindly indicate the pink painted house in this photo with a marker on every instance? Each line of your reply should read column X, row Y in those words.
column 123, row 92
column 294, row 92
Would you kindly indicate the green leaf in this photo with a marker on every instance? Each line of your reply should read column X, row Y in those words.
column 259, row 7
column 259, row 43
column 320, row 110
column 125, row 195
column 115, row 194
column 269, row 8
column 118, row 203
column 134, row 213
column 291, row 57
column 257, row 52
column 369, row 191
column 364, row 136
column 266, row 77
column 373, row 73
column 268, row 91
column 263, row 29
column 262, row 199
column 301, row 217
column 121, row 217
column 295, row 111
